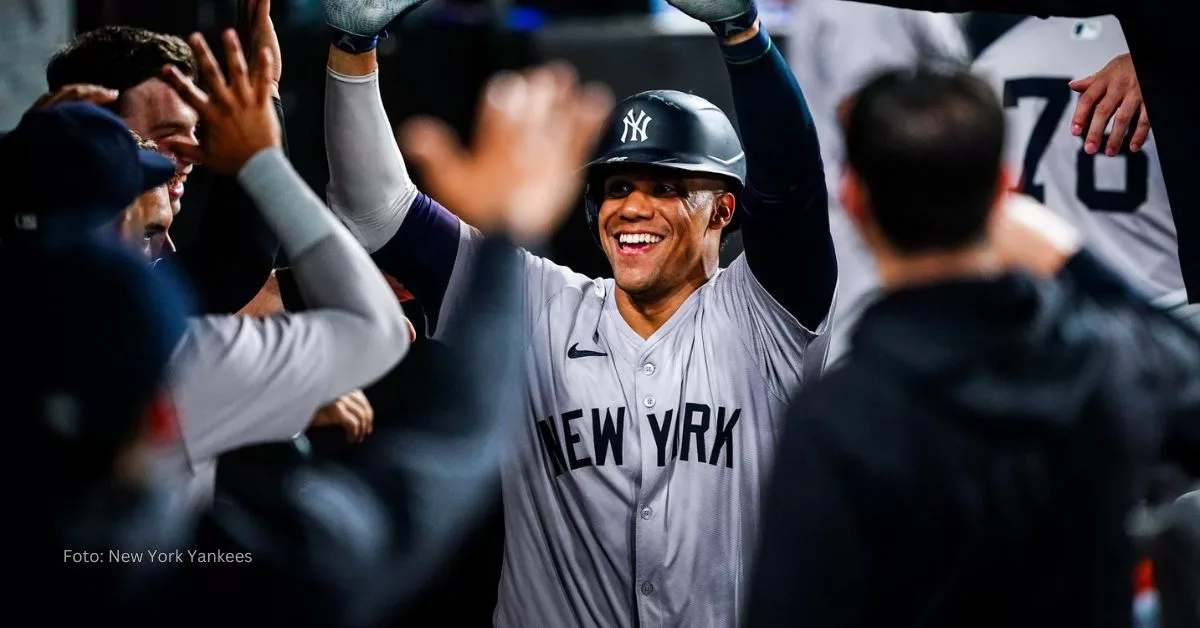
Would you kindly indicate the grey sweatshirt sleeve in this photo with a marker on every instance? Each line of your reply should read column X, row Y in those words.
column 239, row 380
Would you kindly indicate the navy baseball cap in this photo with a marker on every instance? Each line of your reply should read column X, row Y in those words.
column 72, row 168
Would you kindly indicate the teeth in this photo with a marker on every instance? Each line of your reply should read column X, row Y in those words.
column 638, row 238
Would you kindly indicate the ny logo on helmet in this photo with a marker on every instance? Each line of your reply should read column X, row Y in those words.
column 635, row 128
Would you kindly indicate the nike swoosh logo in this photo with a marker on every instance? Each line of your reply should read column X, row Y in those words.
column 575, row 352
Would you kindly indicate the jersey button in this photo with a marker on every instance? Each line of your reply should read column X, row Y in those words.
column 648, row 401
column 647, row 588
column 647, row 513
column 648, row 368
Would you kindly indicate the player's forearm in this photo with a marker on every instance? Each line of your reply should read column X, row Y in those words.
column 369, row 186
column 783, row 156
column 785, row 218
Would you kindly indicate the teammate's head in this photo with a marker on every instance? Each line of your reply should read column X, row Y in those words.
column 923, row 170
column 76, row 169
column 130, row 60
column 663, row 189
column 147, row 221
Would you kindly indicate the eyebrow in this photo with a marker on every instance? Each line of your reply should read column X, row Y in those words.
column 170, row 126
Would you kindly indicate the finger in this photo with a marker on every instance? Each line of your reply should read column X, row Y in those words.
column 192, row 95
column 239, row 74
column 1122, row 120
column 185, row 151
column 262, row 74
column 1100, row 117
column 1140, row 132
column 262, row 15
column 87, row 93
column 544, row 90
column 502, row 104
column 1081, row 84
column 210, row 72
column 1083, row 109
column 593, row 107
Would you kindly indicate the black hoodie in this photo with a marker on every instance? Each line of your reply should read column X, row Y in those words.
column 975, row 460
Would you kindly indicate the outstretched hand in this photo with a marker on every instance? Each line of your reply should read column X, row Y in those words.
column 238, row 115
column 534, row 131
column 1111, row 93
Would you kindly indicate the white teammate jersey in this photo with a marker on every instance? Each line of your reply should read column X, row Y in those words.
column 633, row 492
column 833, row 49
column 1119, row 203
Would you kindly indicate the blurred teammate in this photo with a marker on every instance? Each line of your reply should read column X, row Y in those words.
column 232, row 256
column 975, row 460
column 834, row 47
column 1118, row 202
column 653, row 398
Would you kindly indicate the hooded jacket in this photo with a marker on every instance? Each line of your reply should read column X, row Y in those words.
column 975, row 460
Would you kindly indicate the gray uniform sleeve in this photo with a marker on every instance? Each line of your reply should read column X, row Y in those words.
column 239, row 380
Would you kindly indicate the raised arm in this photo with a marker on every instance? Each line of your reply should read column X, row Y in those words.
column 784, row 208
column 410, row 236
column 241, row 380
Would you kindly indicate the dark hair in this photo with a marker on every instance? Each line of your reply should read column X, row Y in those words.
column 118, row 57
column 927, row 143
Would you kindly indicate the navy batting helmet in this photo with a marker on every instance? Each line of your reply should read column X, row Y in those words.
column 670, row 130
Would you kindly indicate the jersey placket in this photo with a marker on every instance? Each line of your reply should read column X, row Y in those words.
column 650, row 531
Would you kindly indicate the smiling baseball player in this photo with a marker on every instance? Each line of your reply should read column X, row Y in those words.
column 655, row 399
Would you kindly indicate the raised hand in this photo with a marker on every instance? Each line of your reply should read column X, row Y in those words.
column 534, row 133
column 1112, row 93
column 237, row 116
column 358, row 24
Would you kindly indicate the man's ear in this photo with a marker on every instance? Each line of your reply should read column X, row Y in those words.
column 723, row 208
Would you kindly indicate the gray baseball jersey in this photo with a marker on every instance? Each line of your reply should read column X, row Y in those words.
column 633, row 491
column 1118, row 203
column 632, row 488
column 833, row 49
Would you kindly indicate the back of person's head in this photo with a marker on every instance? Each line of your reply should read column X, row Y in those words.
column 87, row 335
column 924, row 146
column 118, row 57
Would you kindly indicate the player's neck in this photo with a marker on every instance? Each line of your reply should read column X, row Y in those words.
column 645, row 315
column 901, row 271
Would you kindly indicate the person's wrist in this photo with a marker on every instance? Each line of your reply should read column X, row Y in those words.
column 354, row 44
column 736, row 27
